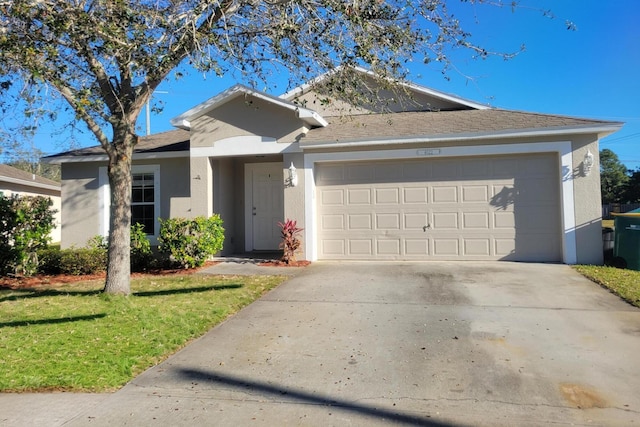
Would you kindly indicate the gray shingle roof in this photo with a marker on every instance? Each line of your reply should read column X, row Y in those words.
column 173, row 140
column 441, row 124
column 14, row 175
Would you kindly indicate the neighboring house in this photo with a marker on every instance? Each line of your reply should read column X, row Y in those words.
column 19, row 182
column 437, row 178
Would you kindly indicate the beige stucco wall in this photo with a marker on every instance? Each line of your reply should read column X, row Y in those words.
column 588, row 202
column 81, row 213
column 294, row 196
column 245, row 116
column 80, row 205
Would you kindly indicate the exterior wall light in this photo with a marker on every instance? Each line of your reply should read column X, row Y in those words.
column 293, row 176
column 587, row 163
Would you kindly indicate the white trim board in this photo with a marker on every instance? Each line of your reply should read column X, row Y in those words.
column 562, row 148
column 244, row 146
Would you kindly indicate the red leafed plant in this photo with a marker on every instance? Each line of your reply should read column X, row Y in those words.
column 290, row 241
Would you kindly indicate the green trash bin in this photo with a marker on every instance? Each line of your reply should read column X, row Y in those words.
column 626, row 249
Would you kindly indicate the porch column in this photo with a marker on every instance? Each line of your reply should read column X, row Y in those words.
column 294, row 202
column 201, row 187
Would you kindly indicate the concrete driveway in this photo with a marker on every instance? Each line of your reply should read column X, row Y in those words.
column 402, row 343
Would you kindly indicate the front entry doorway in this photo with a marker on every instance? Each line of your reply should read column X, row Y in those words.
column 264, row 188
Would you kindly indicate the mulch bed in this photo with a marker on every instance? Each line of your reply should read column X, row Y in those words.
column 44, row 280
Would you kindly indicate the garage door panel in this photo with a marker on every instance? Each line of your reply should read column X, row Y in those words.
column 500, row 208
column 446, row 247
column 504, row 219
column 444, row 170
column 388, row 247
column 388, row 221
column 475, row 193
column 360, row 222
column 387, row 196
column 360, row 247
column 332, row 197
column 360, row 173
column 416, row 247
column 332, row 222
column 332, row 247
column 477, row 247
column 445, row 221
column 359, row 196
column 416, row 221
column 475, row 168
column 415, row 195
column 444, row 194
column 475, row 220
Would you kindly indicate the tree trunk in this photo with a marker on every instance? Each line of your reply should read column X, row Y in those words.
column 118, row 263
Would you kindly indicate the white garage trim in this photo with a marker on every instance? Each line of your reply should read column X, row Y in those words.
column 562, row 148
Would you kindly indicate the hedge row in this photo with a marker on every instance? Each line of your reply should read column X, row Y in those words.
column 185, row 243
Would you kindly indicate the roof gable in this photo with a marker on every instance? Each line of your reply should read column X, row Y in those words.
column 184, row 120
column 173, row 143
column 395, row 96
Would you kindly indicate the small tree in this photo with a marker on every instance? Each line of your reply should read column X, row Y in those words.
column 25, row 226
column 613, row 177
column 632, row 190
column 290, row 242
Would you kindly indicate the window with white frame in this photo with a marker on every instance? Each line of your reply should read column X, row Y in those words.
column 145, row 199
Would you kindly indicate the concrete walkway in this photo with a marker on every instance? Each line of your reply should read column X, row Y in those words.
column 389, row 344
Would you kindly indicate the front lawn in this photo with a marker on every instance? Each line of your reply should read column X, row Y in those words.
column 72, row 337
column 622, row 282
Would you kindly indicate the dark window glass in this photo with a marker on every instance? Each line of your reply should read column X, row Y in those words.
column 143, row 201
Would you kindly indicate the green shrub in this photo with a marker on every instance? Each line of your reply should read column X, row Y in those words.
column 190, row 242
column 141, row 255
column 25, row 224
column 49, row 260
column 80, row 261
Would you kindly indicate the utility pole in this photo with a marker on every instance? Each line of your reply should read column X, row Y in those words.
column 148, row 111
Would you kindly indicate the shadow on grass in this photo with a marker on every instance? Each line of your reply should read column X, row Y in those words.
column 51, row 321
column 187, row 290
column 26, row 293
column 280, row 392
column 37, row 293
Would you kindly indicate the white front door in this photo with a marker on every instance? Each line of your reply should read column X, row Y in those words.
column 264, row 186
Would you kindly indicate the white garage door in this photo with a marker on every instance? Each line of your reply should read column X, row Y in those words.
column 480, row 208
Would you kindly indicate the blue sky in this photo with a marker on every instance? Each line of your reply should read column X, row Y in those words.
column 593, row 72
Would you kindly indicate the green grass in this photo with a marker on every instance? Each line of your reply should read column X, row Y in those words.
column 74, row 338
column 622, row 282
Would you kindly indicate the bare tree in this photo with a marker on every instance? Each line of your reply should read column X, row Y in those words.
column 106, row 57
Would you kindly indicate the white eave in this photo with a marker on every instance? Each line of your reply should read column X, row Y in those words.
column 27, row 183
column 183, row 121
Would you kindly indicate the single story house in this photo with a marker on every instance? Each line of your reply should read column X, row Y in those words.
column 418, row 175
column 18, row 182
